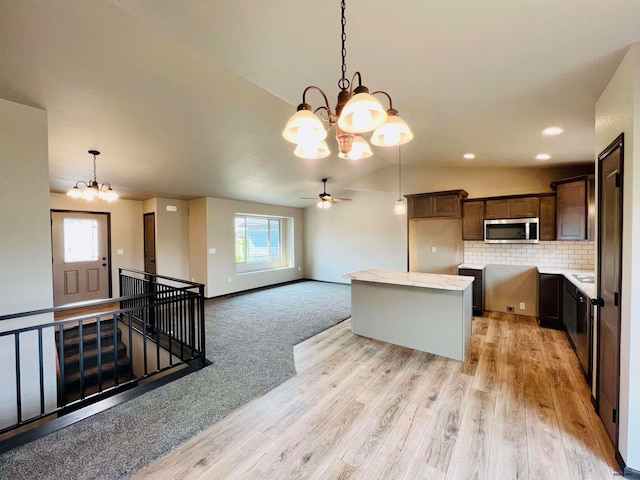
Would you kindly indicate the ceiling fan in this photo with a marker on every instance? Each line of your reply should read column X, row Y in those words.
column 326, row 200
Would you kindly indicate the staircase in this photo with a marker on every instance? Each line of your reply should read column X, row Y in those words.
column 71, row 360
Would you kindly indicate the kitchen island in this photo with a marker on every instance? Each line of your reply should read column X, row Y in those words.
column 423, row 311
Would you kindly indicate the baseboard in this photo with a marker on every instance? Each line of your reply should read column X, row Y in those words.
column 275, row 285
column 258, row 289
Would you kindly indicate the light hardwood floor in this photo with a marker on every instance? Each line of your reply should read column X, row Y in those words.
column 518, row 408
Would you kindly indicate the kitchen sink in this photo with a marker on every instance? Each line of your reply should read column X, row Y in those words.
column 584, row 278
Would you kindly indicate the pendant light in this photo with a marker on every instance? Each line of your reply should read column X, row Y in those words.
column 356, row 112
column 400, row 206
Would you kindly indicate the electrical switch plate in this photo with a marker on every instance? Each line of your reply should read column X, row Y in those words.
column 433, row 249
column 522, row 307
column 212, row 250
column 120, row 251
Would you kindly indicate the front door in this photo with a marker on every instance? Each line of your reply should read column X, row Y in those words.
column 609, row 284
column 81, row 261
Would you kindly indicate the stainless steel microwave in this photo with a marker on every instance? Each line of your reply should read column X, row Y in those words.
column 511, row 230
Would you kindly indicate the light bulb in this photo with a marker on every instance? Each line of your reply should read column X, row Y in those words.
column 75, row 192
column 108, row 195
column 361, row 120
column 400, row 208
column 391, row 137
column 312, row 150
column 90, row 193
column 359, row 149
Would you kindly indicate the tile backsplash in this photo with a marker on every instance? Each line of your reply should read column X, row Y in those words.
column 570, row 255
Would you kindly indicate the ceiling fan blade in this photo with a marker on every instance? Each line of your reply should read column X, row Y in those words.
column 308, row 198
column 341, row 199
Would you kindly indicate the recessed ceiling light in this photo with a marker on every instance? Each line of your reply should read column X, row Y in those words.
column 469, row 156
column 543, row 156
column 552, row 131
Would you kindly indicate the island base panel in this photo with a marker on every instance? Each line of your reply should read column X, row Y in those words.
column 430, row 320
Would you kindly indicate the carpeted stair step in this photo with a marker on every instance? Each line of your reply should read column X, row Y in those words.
column 72, row 362
column 72, row 381
column 90, row 338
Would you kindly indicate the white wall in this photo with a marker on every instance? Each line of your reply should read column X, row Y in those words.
column 211, row 225
column 25, row 256
column 617, row 111
column 126, row 230
column 351, row 236
column 172, row 236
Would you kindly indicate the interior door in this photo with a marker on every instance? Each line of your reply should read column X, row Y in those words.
column 610, row 164
column 81, row 258
column 150, row 242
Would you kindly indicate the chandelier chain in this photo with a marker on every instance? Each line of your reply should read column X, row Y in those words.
column 94, row 168
column 343, row 83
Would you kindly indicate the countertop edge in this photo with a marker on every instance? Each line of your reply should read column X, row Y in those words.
column 412, row 279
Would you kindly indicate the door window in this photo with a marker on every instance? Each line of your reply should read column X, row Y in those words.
column 81, row 240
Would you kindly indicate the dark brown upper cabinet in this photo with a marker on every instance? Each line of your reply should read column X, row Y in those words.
column 575, row 199
column 512, row 207
column 548, row 217
column 496, row 209
column 435, row 204
column 473, row 220
column 525, row 207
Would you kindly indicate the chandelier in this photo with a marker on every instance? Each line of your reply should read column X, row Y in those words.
column 356, row 112
column 91, row 190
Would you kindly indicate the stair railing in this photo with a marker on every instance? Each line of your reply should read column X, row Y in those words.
column 162, row 328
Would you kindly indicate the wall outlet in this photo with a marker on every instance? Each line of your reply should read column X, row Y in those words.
column 229, row 280
column 299, row 269
column 433, row 249
column 510, row 309
column 522, row 306
column 212, row 251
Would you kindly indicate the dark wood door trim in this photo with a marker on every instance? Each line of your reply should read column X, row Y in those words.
column 617, row 144
column 152, row 218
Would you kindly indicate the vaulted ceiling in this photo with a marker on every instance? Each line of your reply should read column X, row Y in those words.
column 189, row 98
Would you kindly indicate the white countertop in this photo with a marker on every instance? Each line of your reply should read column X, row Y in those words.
column 472, row 266
column 413, row 279
column 588, row 288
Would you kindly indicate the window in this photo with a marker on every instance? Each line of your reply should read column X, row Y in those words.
column 260, row 243
column 80, row 240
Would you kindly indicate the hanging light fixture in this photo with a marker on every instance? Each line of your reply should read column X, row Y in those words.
column 356, row 112
column 92, row 190
column 401, row 206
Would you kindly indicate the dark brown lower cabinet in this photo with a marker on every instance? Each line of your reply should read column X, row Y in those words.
column 477, row 288
column 550, row 288
column 578, row 320
column 562, row 305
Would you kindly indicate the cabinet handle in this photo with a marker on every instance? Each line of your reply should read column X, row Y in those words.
column 598, row 302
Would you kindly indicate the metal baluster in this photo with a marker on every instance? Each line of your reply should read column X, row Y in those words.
column 18, row 386
column 81, row 353
column 41, row 370
column 99, row 346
